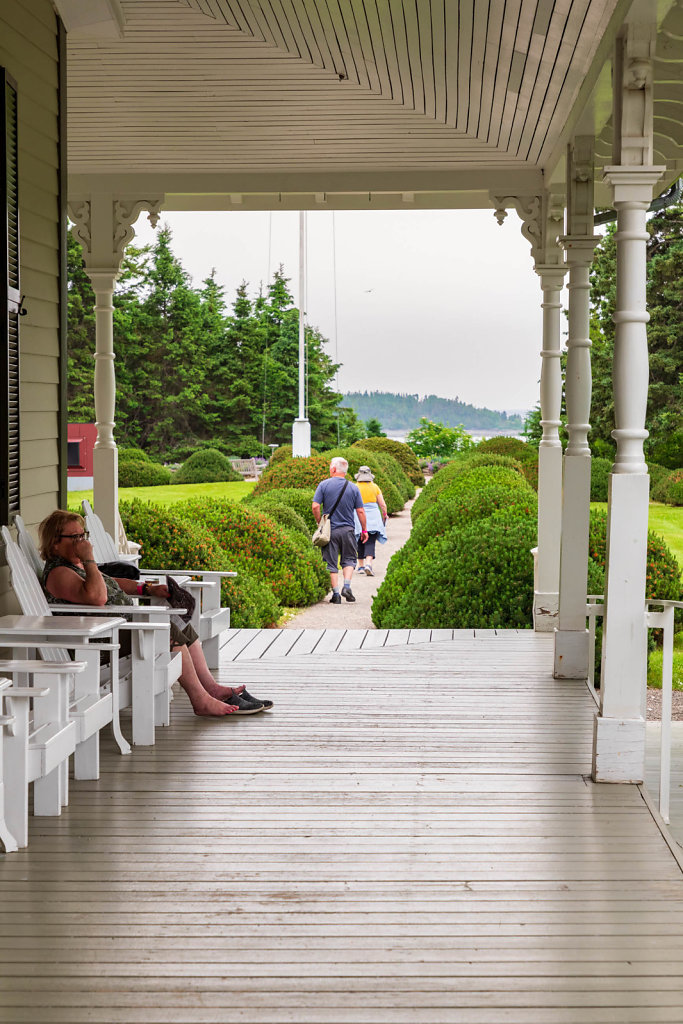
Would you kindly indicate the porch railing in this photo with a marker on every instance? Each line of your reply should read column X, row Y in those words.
column 662, row 619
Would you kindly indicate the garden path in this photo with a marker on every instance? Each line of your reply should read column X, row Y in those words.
column 356, row 615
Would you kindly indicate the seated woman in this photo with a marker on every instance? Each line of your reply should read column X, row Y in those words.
column 71, row 576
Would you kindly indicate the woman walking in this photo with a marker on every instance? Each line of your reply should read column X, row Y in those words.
column 376, row 516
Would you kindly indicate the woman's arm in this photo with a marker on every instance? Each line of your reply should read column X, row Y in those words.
column 65, row 583
column 382, row 505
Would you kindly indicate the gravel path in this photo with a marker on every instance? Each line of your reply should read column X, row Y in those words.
column 356, row 615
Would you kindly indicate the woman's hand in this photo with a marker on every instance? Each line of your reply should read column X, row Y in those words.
column 157, row 590
column 82, row 550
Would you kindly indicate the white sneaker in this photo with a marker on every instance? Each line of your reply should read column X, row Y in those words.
column 369, row 570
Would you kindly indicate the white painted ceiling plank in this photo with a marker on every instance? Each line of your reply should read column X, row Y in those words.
column 270, row 25
column 439, row 59
column 389, row 42
column 493, row 38
column 365, row 43
column 353, row 73
column 479, row 36
column 401, row 42
column 414, row 54
column 452, row 28
column 519, row 61
column 329, row 60
column 379, row 45
column 464, row 51
column 507, row 45
column 548, row 69
column 426, row 37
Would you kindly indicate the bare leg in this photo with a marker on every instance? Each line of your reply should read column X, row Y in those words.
column 202, row 702
column 204, row 674
column 334, row 579
column 348, row 574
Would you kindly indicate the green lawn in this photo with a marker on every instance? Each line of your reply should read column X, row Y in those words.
column 665, row 520
column 173, row 492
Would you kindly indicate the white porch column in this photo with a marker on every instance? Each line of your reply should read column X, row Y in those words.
column 571, row 637
column 546, row 596
column 619, row 733
column 542, row 218
column 103, row 226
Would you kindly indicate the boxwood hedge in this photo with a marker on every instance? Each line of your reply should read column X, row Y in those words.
column 170, row 541
column 143, row 473
column 206, row 466
column 298, row 498
column 445, row 477
column 403, row 453
column 294, row 572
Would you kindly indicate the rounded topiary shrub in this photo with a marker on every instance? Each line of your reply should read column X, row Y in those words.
column 283, row 514
column 481, row 576
column 657, row 474
column 600, row 471
column 513, row 446
column 169, row 541
column 663, row 575
column 143, row 473
column 357, row 458
column 284, row 451
column 403, row 454
column 393, row 469
column 206, row 466
column 675, row 493
column 132, row 455
column 460, row 505
column 462, row 464
column 662, row 490
column 295, row 574
column 288, row 472
column 298, row 498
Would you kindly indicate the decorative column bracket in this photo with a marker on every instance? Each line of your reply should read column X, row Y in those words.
column 124, row 214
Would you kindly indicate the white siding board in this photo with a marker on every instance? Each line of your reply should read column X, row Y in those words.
column 39, row 482
column 41, row 342
column 39, row 454
column 38, row 397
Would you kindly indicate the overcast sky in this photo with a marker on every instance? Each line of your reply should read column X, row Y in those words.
column 428, row 302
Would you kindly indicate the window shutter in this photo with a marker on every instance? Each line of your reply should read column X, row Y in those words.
column 10, row 301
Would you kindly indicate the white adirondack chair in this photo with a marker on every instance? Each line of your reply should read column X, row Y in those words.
column 142, row 682
column 39, row 739
column 209, row 619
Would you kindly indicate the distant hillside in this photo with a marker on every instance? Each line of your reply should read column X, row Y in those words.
column 403, row 412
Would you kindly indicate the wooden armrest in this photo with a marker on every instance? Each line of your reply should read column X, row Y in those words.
column 25, row 691
column 187, row 572
column 41, row 667
column 131, row 627
column 118, row 609
column 60, row 645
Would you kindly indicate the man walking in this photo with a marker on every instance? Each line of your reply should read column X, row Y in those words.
column 340, row 498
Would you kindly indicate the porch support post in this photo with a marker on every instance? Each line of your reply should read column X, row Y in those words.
column 619, row 733
column 103, row 226
column 547, row 582
column 571, row 637
column 542, row 218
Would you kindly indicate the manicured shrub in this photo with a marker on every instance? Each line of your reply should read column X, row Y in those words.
column 283, row 514
column 133, row 455
column 298, row 498
column 481, row 576
column 507, row 471
column 206, row 466
column 403, row 453
column 288, row 472
column 663, row 575
column 662, row 491
column 675, row 493
column 284, row 451
column 657, row 474
column 460, row 505
column 513, row 446
column 392, row 468
column 143, row 473
column 295, row 574
column 357, row 458
column 600, row 471
column 170, row 541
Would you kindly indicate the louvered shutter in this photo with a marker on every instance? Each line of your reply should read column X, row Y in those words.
column 10, row 302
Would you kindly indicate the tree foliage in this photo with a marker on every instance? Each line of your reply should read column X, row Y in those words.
column 191, row 371
column 665, row 338
column 437, row 441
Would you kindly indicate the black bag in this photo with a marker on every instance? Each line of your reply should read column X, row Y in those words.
column 120, row 570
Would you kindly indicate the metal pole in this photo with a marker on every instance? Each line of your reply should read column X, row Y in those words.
column 302, row 307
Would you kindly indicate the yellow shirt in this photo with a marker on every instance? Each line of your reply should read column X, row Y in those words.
column 368, row 491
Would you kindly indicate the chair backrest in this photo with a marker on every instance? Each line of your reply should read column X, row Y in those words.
column 103, row 546
column 30, row 596
column 27, row 545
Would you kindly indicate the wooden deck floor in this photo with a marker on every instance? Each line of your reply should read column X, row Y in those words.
column 409, row 837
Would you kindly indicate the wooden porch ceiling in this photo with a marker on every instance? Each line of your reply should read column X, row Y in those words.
column 362, row 97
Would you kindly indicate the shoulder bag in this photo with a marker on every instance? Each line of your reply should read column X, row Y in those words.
column 323, row 532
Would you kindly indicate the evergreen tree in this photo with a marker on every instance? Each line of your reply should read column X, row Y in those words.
column 665, row 338
column 81, row 337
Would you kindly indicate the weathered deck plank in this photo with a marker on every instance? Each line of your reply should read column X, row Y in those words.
column 409, row 837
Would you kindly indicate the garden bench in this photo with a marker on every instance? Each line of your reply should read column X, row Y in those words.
column 142, row 681
column 209, row 619
column 245, row 467
column 37, row 737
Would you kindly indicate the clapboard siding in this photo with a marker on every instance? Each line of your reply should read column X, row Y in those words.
column 29, row 51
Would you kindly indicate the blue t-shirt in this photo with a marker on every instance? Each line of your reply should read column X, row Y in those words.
column 326, row 494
